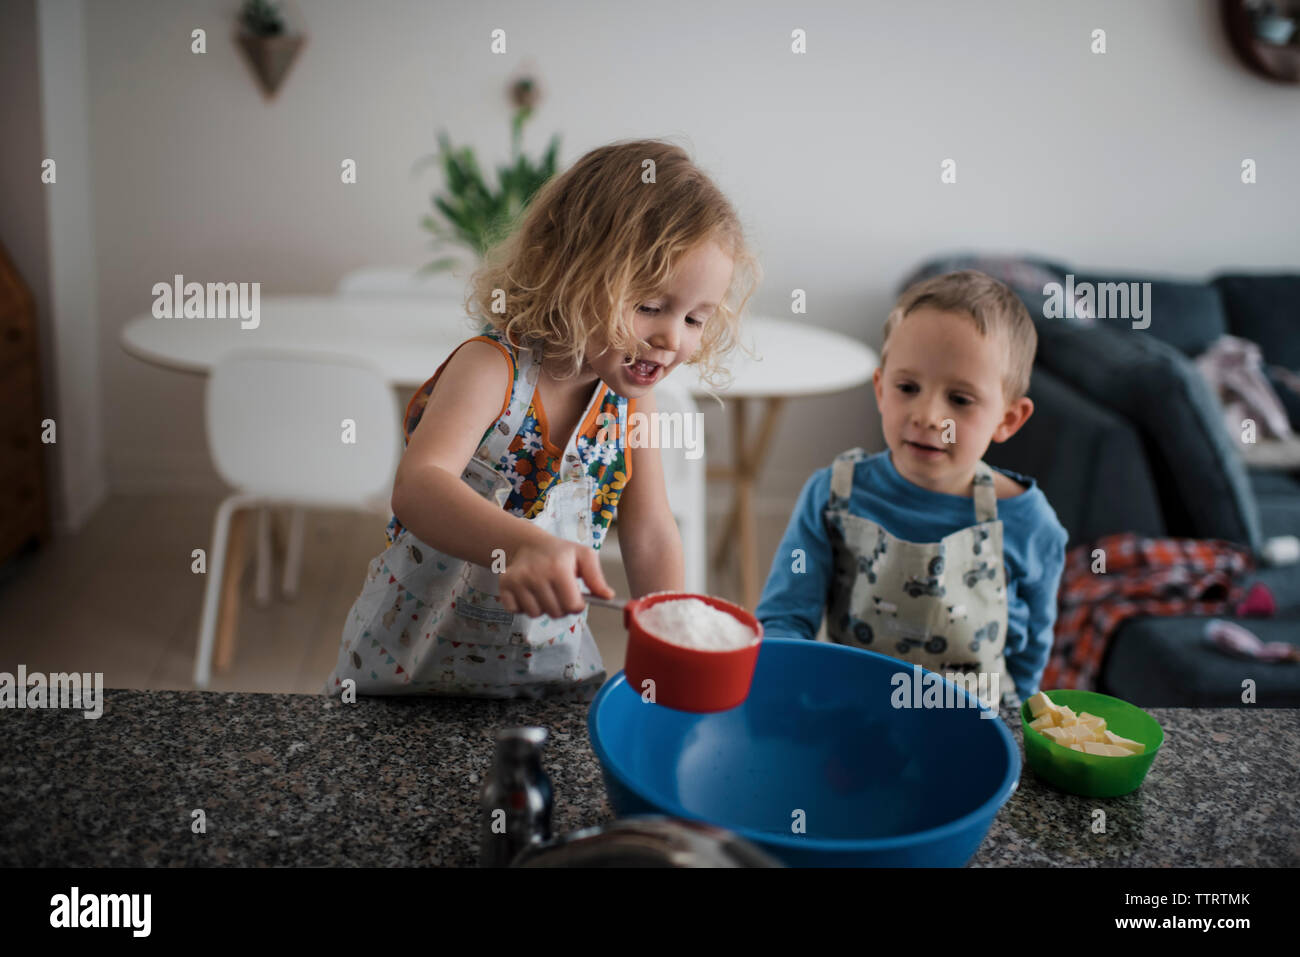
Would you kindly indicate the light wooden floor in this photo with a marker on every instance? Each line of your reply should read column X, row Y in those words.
column 119, row 598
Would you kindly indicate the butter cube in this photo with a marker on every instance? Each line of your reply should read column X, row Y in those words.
column 1061, row 736
column 1064, row 736
column 1093, row 720
column 1110, row 750
column 1132, row 747
column 1038, row 724
column 1040, row 704
column 1084, row 733
column 1068, row 712
column 1069, row 721
column 1076, row 747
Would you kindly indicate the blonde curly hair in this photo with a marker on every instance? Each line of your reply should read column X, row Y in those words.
column 991, row 305
column 599, row 238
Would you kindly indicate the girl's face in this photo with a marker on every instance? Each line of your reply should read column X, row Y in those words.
column 670, row 323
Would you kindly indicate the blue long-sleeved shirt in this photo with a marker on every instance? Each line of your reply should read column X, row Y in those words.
column 1033, row 547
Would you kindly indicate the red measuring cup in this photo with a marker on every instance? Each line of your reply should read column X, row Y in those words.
column 688, row 679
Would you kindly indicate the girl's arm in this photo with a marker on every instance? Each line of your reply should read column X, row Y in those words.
column 647, row 533
column 429, row 497
column 430, row 500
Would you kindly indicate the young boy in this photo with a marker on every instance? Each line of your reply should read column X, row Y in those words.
column 922, row 551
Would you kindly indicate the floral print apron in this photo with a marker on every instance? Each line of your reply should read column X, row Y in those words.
column 428, row 623
column 942, row 605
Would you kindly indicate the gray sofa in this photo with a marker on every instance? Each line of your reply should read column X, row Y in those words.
column 1127, row 436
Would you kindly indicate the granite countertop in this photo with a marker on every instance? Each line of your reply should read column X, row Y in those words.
column 306, row 780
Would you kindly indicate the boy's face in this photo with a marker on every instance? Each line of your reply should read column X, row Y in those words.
column 941, row 399
column 671, row 322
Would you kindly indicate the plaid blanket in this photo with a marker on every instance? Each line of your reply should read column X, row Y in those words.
column 1143, row 576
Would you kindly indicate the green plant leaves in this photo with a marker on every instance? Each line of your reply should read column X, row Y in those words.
column 261, row 18
column 476, row 215
column 438, row 265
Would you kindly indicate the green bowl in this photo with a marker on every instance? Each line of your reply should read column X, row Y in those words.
column 1093, row 775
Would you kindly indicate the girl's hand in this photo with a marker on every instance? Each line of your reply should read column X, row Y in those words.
column 541, row 578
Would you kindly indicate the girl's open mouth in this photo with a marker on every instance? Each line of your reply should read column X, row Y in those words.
column 643, row 372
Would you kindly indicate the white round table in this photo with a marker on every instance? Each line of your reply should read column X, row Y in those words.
column 407, row 338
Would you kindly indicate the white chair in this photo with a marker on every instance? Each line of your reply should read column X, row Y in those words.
column 685, row 478
column 287, row 430
column 388, row 281
column 402, row 281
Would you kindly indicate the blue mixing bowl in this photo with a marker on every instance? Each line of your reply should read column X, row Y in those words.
column 817, row 742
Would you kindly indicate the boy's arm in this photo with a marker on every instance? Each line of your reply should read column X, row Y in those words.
column 647, row 533
column 794, row 598
column 1026, row 664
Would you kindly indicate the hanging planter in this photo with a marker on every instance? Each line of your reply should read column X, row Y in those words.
column 269, row 48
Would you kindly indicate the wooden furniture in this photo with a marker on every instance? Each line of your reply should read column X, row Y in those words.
column 791, row 359
column 24, row 517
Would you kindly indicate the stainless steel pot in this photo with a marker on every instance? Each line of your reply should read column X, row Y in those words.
column 648, row 841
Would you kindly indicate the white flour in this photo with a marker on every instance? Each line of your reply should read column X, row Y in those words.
column 695, row 624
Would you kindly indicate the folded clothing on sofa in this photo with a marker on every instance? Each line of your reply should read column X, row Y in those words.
column 1140, row 577
column 1234, row 369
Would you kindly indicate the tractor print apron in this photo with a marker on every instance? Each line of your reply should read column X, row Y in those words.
column 428, row 623
column 942, row 605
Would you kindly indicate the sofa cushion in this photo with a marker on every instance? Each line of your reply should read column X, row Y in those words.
column 1204, row 490
column 1265, row 310
column 1166, row 663
column 1078, row 476
column 1278, row 497
column 1267, row 482
column 1187, row 315
column 1283, row 581
column 1289, row 395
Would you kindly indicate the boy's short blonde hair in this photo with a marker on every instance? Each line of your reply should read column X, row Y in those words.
column 995, row 310
column 599, row 238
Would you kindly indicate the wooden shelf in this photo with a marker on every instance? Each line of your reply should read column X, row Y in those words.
column 23, row 514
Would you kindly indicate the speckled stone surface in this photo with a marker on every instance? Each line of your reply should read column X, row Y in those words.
column 1222, row 792
column 303, row 780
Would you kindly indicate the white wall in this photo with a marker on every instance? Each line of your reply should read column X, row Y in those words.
column 74, row 330
column 1126, row 160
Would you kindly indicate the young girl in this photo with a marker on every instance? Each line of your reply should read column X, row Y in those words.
column 516, row 463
